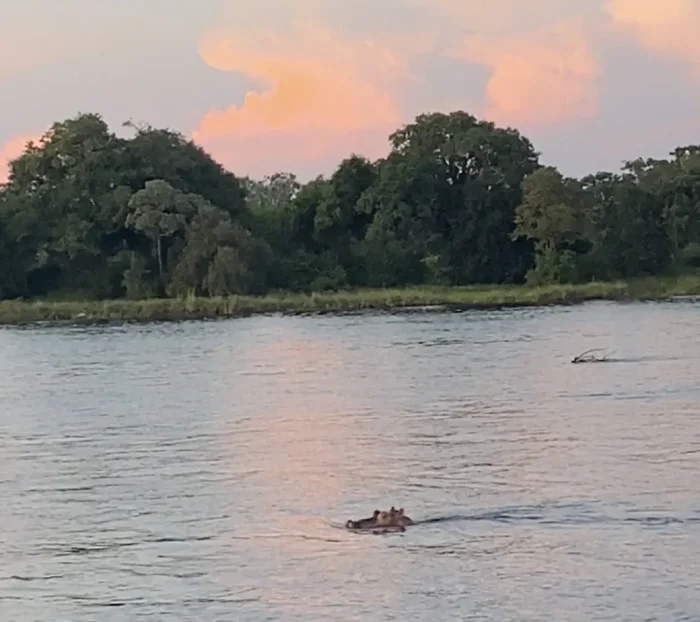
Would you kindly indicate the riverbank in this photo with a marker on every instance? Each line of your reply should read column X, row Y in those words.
column 457, row 298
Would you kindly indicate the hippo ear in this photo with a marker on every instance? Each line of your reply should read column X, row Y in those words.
column 393, row 509
column 375, row 513
column 401, row 511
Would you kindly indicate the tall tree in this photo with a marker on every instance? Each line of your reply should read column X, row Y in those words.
column 71, row 187
column 552, row 215
column 163, row 154
column 626, row 228
column 551, row 212
column 220, row 257
column 676, row 185
column 160, row 212
column 339, row 226
column 446, row 197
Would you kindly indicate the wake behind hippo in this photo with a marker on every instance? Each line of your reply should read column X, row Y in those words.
column 382, row 522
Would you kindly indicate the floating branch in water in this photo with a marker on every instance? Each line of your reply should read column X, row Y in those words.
column 588, row 357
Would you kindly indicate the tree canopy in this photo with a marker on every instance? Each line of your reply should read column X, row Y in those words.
column 456, row 201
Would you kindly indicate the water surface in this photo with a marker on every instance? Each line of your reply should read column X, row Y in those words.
column 203, row 471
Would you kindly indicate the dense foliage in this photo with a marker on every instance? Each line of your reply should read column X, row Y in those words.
column 88, row 214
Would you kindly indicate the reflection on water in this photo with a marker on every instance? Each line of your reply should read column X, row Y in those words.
column 204, row 471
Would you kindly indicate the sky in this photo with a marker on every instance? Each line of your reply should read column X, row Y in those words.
column 295, row 86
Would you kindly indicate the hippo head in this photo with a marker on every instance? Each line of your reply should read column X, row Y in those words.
column 399, row 517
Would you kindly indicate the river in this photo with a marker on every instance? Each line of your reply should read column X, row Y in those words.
column 203, row 471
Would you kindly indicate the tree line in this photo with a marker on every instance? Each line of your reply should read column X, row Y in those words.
column 457, row 201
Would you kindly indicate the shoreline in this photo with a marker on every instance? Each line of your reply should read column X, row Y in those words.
column 414, row 299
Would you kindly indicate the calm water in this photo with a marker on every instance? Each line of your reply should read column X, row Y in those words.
column 202, row 471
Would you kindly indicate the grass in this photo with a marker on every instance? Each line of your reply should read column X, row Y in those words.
column 475, row 297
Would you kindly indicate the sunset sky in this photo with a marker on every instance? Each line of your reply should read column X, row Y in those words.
column 296, row 85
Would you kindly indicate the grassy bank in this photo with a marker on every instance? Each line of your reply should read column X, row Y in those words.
column 91, row 312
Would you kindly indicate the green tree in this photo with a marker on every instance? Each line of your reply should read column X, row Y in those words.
column 271, row 204
column 71, row 189
column 167, row 155
column 551, row 214
column 403, row 204
column 444, row 202
column 626, row 228
column 676, row 185
column 456, row 201
column 220, row 257
column 137, row 279
column 273, row 194
column 160, row 212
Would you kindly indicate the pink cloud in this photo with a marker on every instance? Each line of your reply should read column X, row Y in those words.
column 324, row 94
column 545, row 77
column 670, row 28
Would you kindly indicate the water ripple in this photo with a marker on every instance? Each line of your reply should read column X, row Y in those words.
column 204, row 471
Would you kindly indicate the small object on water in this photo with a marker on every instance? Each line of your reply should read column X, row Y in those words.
column 382, row 522
column 586, row 357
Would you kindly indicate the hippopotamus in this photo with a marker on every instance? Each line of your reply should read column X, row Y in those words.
column 399, row 517
column 382, row 522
